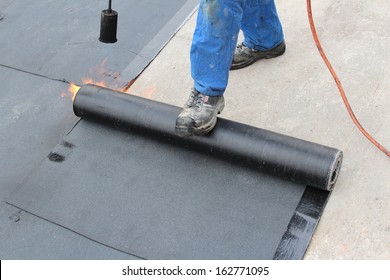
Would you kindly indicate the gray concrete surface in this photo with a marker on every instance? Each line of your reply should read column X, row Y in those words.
column 295, row 95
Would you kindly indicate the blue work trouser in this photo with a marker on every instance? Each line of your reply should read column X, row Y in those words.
column 215, row 38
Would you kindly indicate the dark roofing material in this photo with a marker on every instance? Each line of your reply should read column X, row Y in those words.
column 129, row 183
column 44, row 44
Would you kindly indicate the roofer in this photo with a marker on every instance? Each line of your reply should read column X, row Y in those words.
column 214, row 52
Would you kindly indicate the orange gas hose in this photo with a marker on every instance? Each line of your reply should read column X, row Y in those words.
column 338, row 83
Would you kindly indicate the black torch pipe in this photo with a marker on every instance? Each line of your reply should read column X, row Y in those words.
column 279, row 155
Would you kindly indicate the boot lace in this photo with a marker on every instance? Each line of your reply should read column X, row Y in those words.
column 191, row 99
column 199, row 102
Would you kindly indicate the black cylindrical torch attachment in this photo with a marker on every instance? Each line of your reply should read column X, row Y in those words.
column 108, row 26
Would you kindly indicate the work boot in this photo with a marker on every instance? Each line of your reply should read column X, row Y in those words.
column 199, row 114
column 244, row 56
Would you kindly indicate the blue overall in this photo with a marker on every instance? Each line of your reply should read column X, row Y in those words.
column 215, row 38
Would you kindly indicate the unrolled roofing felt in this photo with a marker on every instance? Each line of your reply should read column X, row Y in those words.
column 122, row 178
column 43, row 44
column 118, row 183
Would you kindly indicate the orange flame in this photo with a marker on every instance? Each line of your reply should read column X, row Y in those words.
column 73, row 89
column 102, row 72
column 93, row 82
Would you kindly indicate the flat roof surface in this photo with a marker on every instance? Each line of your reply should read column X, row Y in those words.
column 293, row 95
column 45, row 45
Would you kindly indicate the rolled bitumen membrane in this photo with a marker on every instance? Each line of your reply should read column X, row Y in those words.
column 276, row 154
column 122, row 178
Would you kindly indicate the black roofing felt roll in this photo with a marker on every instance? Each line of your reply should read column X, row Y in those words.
column 272, row 153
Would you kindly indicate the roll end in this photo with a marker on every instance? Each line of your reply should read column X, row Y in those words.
column 335, row 170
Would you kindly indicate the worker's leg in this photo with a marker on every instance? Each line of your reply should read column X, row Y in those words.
column 263, row 33
column 213, row 44
column 212, row 51
column 261, row 25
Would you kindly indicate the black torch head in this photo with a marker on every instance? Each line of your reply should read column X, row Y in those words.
column 108, row 25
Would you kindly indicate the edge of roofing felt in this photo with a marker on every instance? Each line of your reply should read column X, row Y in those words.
column 303, row 224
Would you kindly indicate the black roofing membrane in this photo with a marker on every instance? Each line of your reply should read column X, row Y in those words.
column 43, row 45
column 142, row 190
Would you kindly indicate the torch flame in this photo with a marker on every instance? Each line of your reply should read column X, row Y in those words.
column 102, row 72
column 73, row 89
column 93, row 82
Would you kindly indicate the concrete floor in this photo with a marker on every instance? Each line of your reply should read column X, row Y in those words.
column 295, row 95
